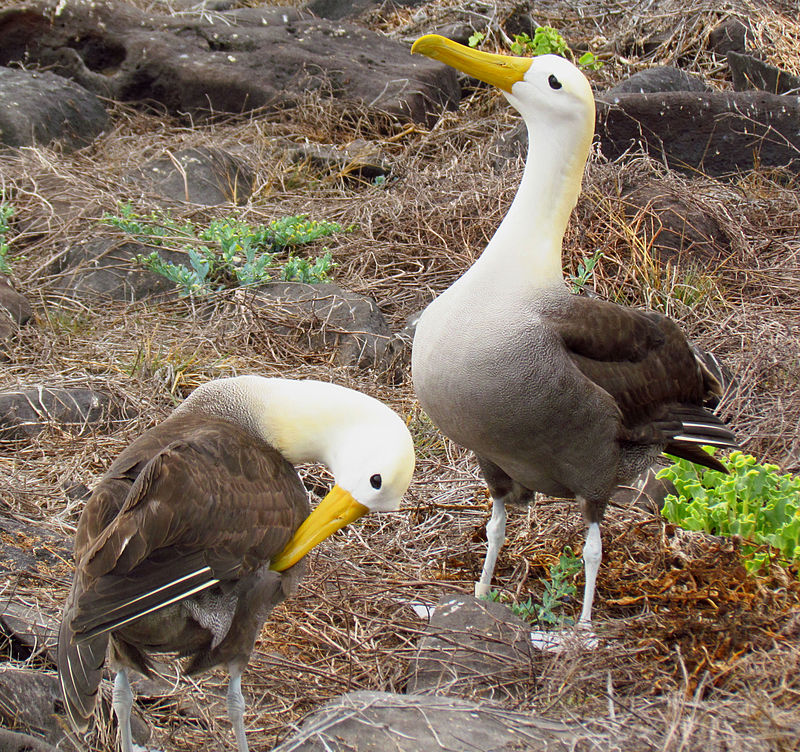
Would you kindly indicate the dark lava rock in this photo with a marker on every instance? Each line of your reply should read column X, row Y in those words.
column 27, row 548
column 731, row 35
column 107, row 268
column 719, row 133
column 26, row 413
column 15, row 310
column 349, row 325
column 30, row 701
column 658, row 78
column 646, row 492
column 381, row 721
column 30, row 627
column 336, row 10
column 38, row 108
column 14, row 305
column 473, row 647
column 749, row 72
column 205, row 176
column 11, row 741
column 232, row 61
column 359, row 160
column 673, row 226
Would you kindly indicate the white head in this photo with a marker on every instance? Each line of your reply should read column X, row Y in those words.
column 549, row 92
column 557, row 105
column 364, row 443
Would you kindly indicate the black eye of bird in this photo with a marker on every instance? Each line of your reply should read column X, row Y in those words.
column 554, row 82
column 375, row 481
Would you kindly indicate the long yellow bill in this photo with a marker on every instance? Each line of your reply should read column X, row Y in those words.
column 502, row 71
column 335, row 511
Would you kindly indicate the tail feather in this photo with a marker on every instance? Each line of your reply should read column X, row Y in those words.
column 80, row 668
column 700, row 427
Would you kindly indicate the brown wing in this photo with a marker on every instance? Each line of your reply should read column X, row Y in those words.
column 214, row 504
column 642, row 359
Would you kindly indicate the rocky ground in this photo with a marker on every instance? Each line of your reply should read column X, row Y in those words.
column 262, row 112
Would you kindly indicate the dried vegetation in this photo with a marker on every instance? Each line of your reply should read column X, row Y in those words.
column 697, row 655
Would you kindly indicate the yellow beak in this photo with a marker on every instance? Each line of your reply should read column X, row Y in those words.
column 502, row 71
column 335, row 511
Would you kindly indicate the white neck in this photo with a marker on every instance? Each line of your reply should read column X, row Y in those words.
column 525, row 251
column 305, row 420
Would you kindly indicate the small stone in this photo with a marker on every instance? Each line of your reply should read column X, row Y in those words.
column 26, row 413
column 205, row 176
column 473, row 647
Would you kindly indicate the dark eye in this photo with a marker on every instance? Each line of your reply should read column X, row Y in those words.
column 375, row 481
column 554, row 82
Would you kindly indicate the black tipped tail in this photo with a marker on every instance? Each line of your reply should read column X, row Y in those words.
column 700, row 427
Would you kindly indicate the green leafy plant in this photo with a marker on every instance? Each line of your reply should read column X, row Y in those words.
column 545, row 41
column 754, row 501
column 585, row 271
column 590, row 60
column 556, row 589
column 6, row 212
column 476, row 38
column 228, row 252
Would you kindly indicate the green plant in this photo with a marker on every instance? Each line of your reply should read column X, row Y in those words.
column 6, row 212
column 476, row 38
column 546, row 41
column 556, row 589
column 227, row 252
column 585, row 271
column 753, row 501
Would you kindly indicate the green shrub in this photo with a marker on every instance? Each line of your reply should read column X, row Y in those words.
column 6, row 212
column 556, row 589
column 546, row 41
column 754, row 501
column 228, row 252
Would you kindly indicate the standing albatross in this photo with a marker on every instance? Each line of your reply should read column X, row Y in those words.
column 197, row 530
column 553, row 392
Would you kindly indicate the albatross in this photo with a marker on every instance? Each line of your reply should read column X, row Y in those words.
column 554, row 392
column 199, row 528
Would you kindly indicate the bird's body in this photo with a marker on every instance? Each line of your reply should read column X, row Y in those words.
column 178, row 548
column 586, row 396
column 554, row 392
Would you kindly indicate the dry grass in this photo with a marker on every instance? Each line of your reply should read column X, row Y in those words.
column 696, row 655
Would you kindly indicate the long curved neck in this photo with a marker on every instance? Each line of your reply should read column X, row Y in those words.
column 526, row 248
column 303, row 419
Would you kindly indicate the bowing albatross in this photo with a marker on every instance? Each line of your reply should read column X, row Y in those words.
column 198, row 529
column 556, row 393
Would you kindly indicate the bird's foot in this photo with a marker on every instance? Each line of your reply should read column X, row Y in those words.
column 582, row 638
column 482, row 589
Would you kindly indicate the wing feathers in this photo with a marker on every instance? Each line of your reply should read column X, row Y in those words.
column 115, row 600
column 660, row 382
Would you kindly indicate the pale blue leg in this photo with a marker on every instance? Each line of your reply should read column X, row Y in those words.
column 592, row 556
column 236, row 707
column 122, row 702
column 495, row 536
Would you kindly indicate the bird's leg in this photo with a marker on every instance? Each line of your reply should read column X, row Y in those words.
column 592, row 555
column 122, row 702
column 495, row 535
column 236, row 706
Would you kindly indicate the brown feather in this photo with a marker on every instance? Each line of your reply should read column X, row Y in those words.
column 193, row 494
